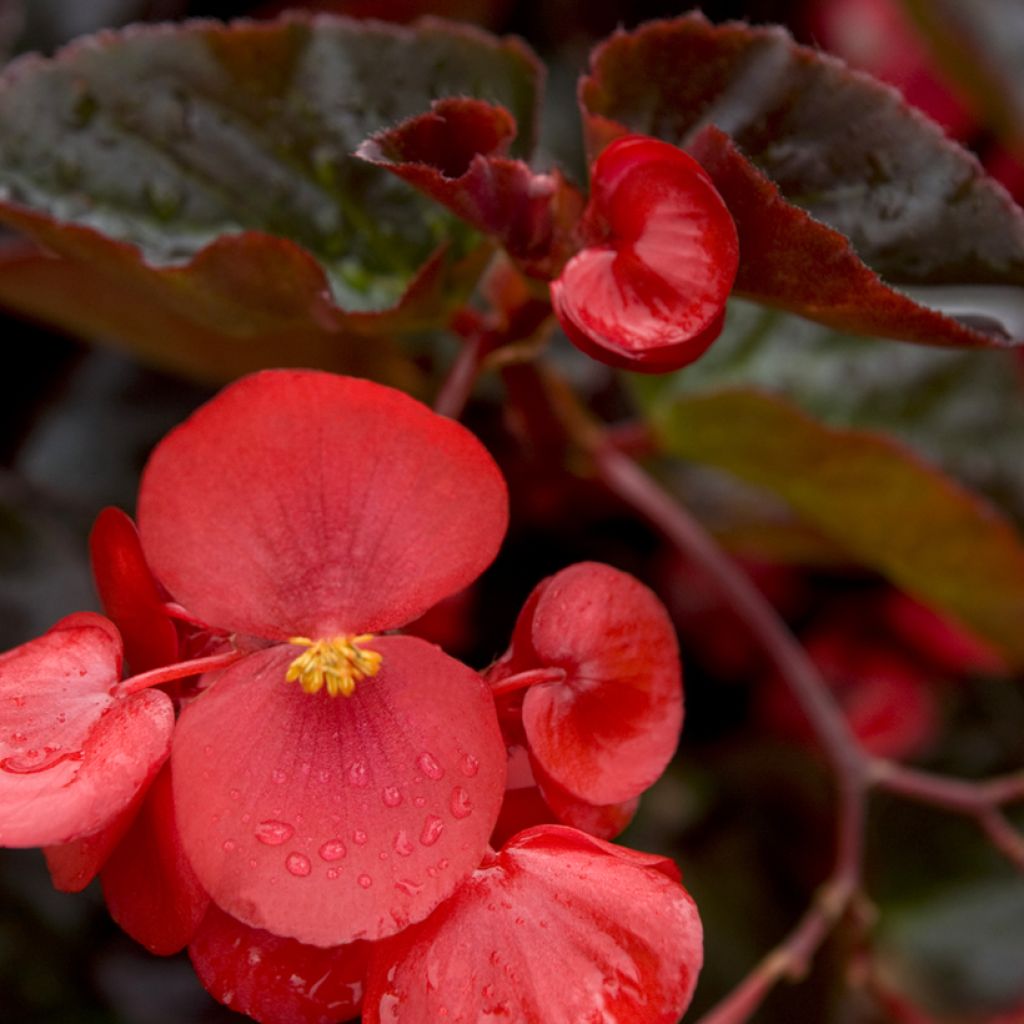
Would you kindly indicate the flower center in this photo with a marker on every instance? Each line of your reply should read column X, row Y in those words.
column 338, row 664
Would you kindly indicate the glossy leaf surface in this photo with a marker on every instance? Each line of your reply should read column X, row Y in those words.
column 841, row 148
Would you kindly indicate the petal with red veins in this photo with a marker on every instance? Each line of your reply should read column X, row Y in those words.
column 301, row 503
column 275, row 980
column 559, row 929
column 334, row 819
column 72, row 755
column 609, row 729
column 149, row 885
column 130, row 595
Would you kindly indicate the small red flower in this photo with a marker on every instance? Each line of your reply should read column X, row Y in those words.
column 648, row 290
column 558, row 928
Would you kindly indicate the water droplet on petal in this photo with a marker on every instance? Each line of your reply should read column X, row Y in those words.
column 359, row 837
column 235, row 794
column 460, row 805
column 391, row 796
column 298, row 864
column 358, row 774
column 420, row 801
column 274, row 833
column 409, row 887
column 403, row 844
column 433, row 826
column 332, row 873
column 427, row 764
column 469, row 765
column 333, row 849
column 229, row 845
column 365, row 881
column 279, row 776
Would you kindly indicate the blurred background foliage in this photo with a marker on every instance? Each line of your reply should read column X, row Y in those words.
column 746, row 808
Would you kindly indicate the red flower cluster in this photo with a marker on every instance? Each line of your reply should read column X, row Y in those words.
column 304, row 797
column 648, row 290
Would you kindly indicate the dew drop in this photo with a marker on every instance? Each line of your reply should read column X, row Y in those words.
column 433, row 826
column 391, row 796
column 298, row 864
column 420, row 801
column 427, row 764
column 469, row 765
column 333, row 849
column 365, row 881
column 274, row 833
column 358, row 774
column 409, row 887
column 229, row 845
column 332, row 873
column 323, row 775
column 18, row 737
column 443, row 863
column 403, row 844
column 235, row 794
column 359, row 837
column 460, row 805
column 278, row 776
column 33, row 761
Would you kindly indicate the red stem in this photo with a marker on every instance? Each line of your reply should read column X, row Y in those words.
column 522, row 680
column 458, row 385
column 179, row 670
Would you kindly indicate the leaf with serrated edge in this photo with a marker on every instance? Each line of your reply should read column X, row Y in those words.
column 209, row 169
column 850, row 161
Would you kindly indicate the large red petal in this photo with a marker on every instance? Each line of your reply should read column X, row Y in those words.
column 130, row 595
column 74, row 865
column 73, row 756
column 334, row 819
column 561, row 929
column 149, row 885
column 302, row 503
column 607, row 732
column 275, row 980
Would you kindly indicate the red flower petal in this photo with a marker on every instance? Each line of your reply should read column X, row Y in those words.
column 74, row 865
column 73, row 756
column 130, row 595
column 560, row 929
column 302, row 503
column 335, row 819
column 649, row 294
column 605, row 821
column 275, row 980
column 608, row 731
column 149, row 885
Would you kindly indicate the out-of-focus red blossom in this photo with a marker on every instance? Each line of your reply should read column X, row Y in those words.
column 877, row 36
column 276, row 980
column 660, row 252
column 558, row 928
column 603, row 704
column 75, row 751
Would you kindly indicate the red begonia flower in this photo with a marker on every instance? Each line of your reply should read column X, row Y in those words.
column 648, row 290
column 275, row 980
column 74, row 753
column 131, row 598
column 605, row 730
column 308, row 510
column 559, row 928
column 149, row 886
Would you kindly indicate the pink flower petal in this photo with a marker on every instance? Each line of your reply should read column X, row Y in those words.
column 560, row 929
column 72, row 755
column 275, row 980
column 607, row 732
column 130, row 595
column 302, row 503
column 149, row 885
column 333, row 819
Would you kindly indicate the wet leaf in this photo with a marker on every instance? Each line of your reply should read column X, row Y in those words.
column 207, row 172
column 852, row 209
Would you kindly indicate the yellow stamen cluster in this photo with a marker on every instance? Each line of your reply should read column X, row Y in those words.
column 338, row 664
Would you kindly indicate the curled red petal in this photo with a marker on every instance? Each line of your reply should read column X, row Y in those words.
column 608, row 731
column 334, row 819
column 72, row 756
column 303, row 503
column 149, row 885
column 605, row 821
column 275, row 980
column 649, row 293
column 130, row 595
column 560, row 929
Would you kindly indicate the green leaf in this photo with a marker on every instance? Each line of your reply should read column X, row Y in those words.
column 874, row 495
column 852, row 208
column 209, row 168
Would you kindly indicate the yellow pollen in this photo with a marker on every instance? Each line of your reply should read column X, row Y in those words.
column 338, row 664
